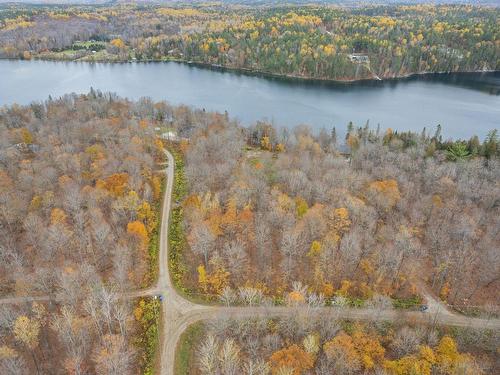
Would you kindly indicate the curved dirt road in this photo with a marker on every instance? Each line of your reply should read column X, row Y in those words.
column 178, row 313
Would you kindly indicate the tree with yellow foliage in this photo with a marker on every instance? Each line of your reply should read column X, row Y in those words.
column 266, row 144
column 315, row 249
column 450, row 361
column 301, row 207
column 280, row 147
column 445, row 357
column 156, row 186
column 215, row 282
column 420, row 364
column 27, row 331
column 341, row 221
column 26, row 136
column 311, row 343
column 147, row 215
column 384, row 193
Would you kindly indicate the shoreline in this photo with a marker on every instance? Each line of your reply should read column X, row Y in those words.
column 335, row 107
column 304, row 79
column 263, row 74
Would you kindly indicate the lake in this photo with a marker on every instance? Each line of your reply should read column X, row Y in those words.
column 464, row 104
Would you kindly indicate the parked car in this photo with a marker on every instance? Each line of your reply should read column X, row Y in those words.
column 423, row 308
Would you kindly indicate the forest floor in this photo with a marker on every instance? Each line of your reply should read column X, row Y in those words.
column 179, row 313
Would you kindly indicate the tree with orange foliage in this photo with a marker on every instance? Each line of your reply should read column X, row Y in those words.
column 342, row 353
column 357, row 350
column 118, row 43
column 293, row 357
column 369, row 348
column 137, row 228
column 57, row 216
column 353, row 141
column 229, row 218
column 116, row 184
column 295, row 298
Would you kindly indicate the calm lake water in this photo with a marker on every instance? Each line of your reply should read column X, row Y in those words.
column 464, row 104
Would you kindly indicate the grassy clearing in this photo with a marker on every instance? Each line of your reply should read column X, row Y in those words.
column 186, row 348
column 147, row 315
column 407, row 303
column 154, row 241
column 176, row 235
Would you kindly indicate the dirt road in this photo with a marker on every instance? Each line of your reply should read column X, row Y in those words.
column 178, row 313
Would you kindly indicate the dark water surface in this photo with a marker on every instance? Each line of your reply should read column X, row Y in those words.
column 464, row 104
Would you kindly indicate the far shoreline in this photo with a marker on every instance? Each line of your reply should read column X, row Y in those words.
column 268, row 75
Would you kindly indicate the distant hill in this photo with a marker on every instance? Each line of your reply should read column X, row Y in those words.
column 259, row 2
column 57, row 1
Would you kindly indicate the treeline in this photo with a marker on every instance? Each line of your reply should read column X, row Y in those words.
column 313, row 42
column 435, row 144
column 331, row 43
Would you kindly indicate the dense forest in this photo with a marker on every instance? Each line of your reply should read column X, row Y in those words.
column 261, row 216
column 324, row 345
column 321, row 42
column 78, row 189
column 286, row 216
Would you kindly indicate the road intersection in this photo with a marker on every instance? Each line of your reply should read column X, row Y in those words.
column 178, row 313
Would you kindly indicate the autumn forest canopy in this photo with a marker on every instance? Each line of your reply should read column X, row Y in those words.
column 78, row 189
column 322, row 42
column 135, row 231
column 261, row 216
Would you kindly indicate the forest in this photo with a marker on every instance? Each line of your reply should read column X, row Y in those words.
column 261, row 216
column 320, row 42
column 286, row 216
column 280, row 217
column 325, row 345
column 79, row 185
